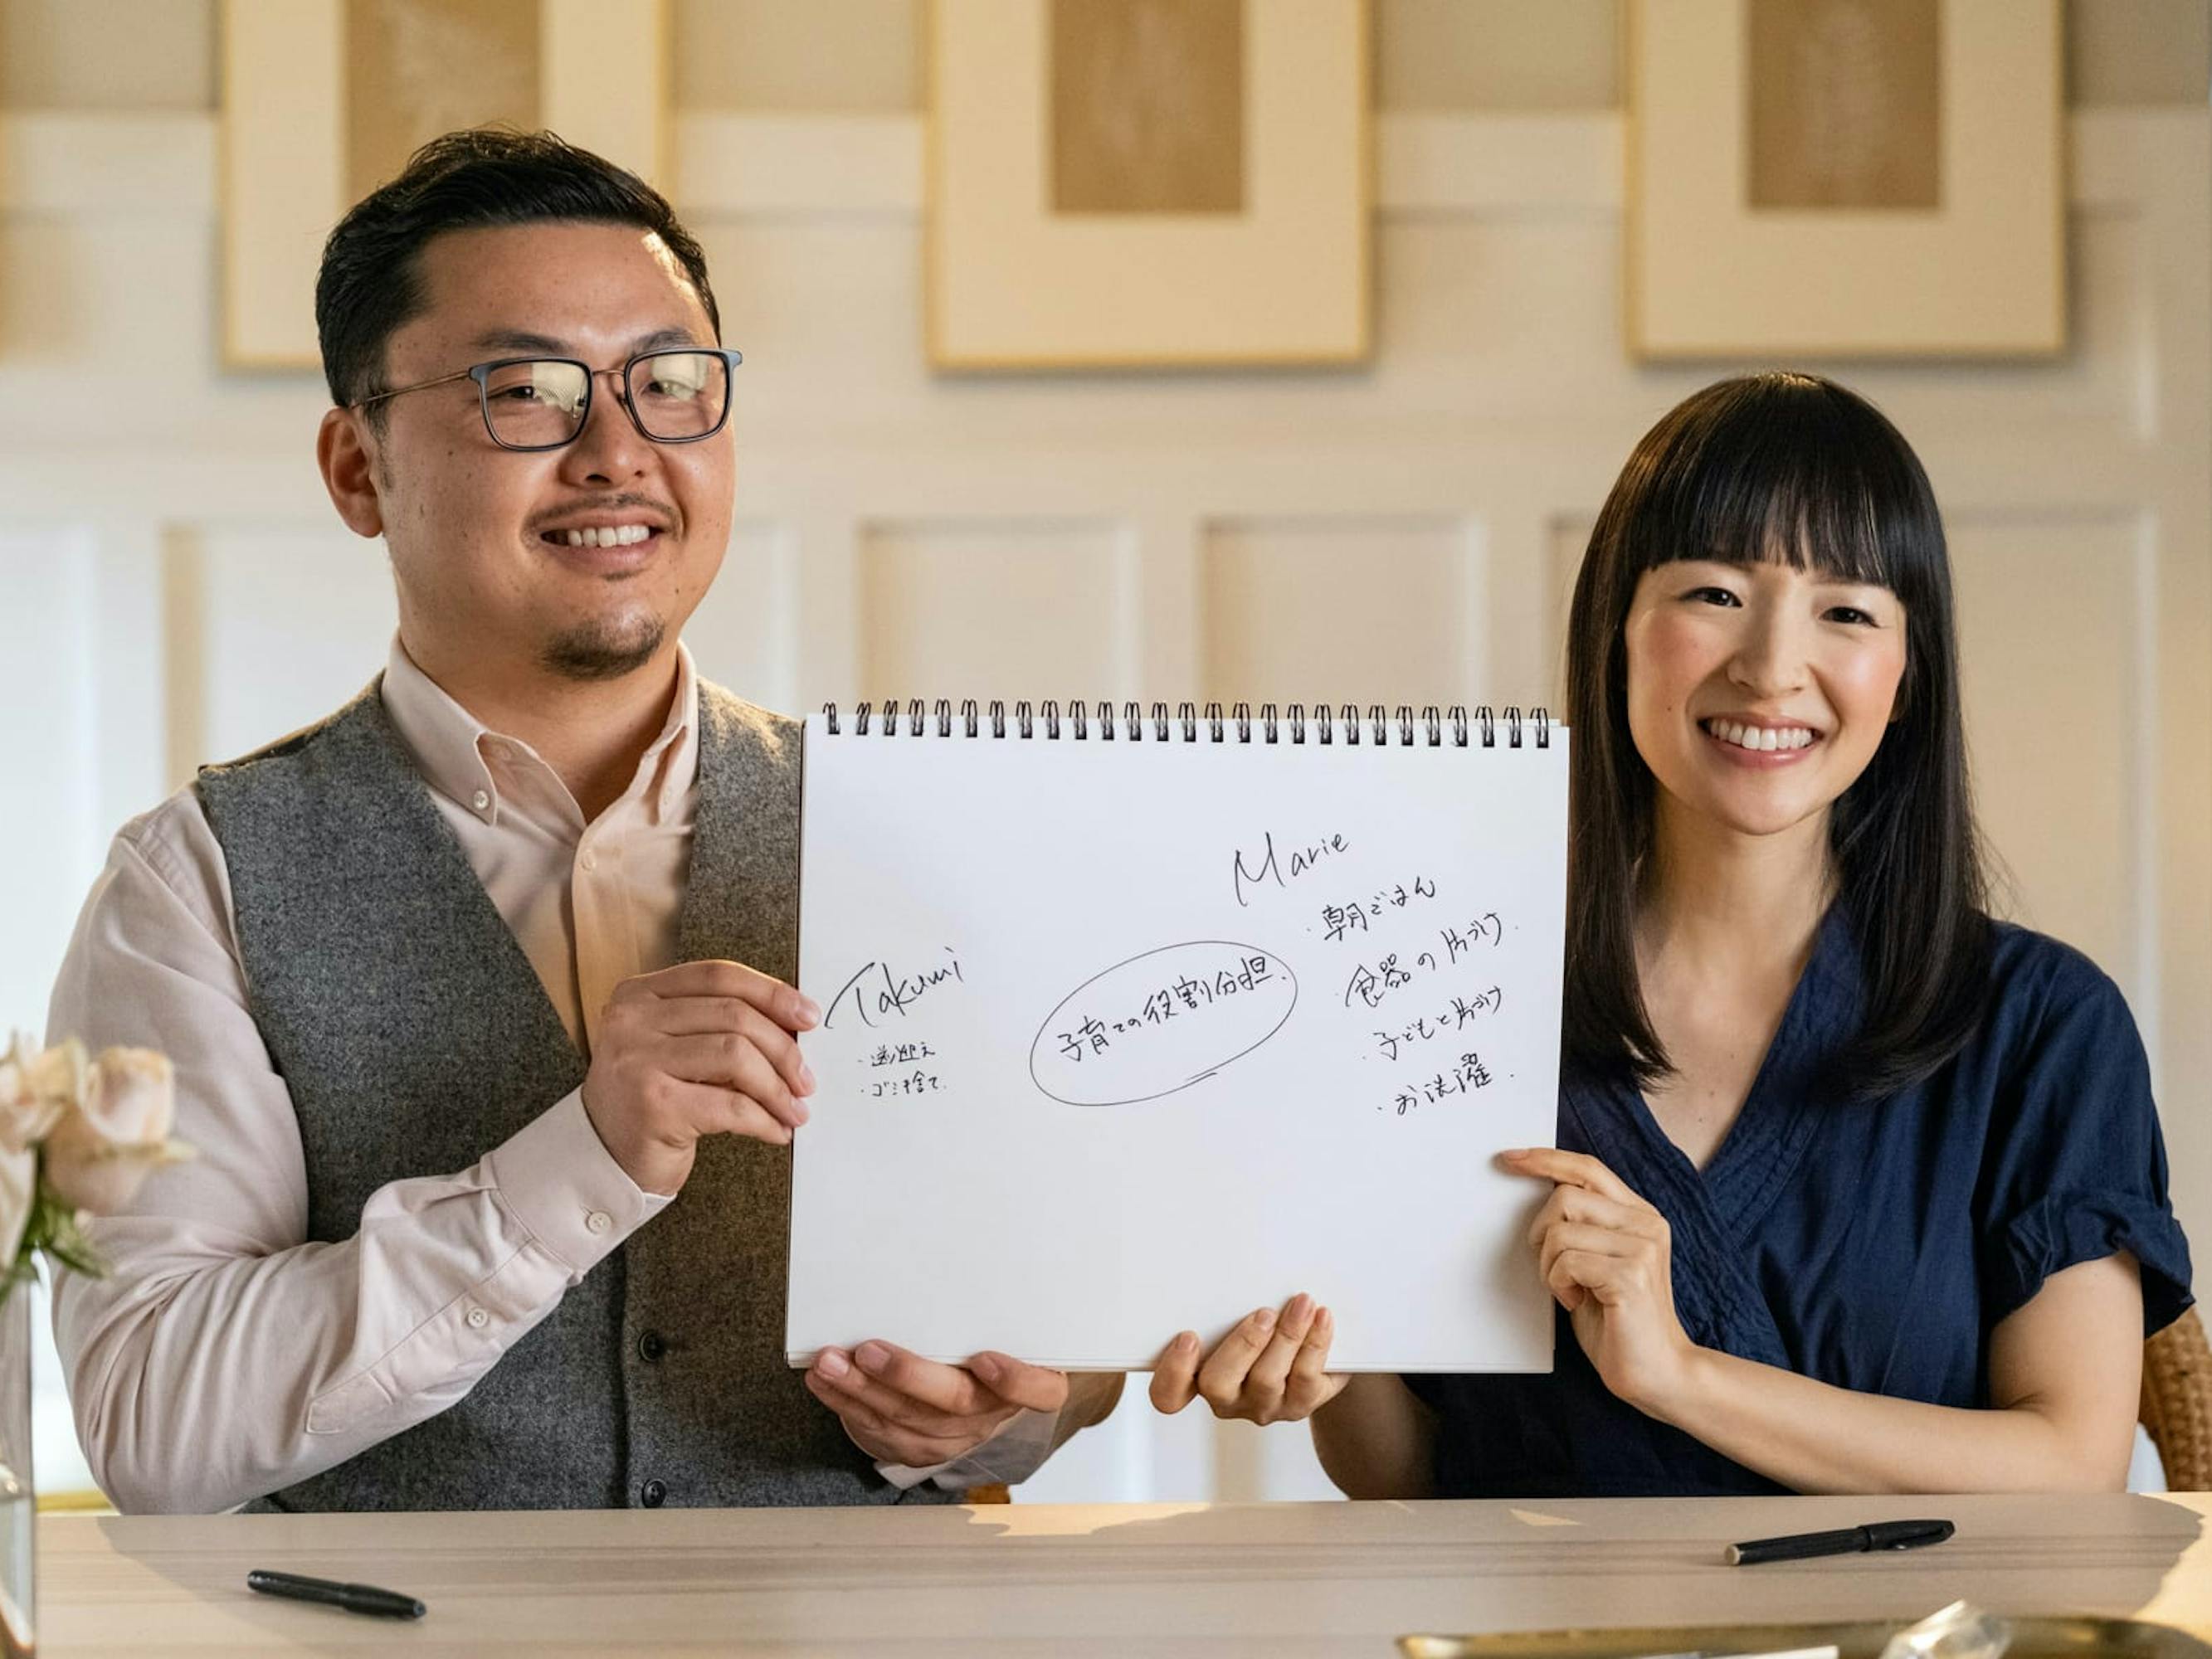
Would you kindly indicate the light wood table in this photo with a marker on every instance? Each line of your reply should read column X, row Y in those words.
column 1083, row 1583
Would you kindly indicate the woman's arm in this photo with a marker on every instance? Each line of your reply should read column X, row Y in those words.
column 2065, row 1368
column 1376, row 1440
column 2065, row 1375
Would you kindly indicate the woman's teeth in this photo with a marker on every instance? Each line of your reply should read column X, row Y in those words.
column 620, row 535
column 1762, row 738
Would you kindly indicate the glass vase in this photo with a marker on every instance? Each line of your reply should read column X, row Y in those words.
column 18, row 1495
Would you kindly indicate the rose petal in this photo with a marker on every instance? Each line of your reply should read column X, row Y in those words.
column 131, row 1097
column 87, row 1171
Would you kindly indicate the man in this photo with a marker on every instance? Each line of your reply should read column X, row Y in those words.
column 477, row 990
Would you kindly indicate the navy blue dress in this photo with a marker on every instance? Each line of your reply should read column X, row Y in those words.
column 1873, row 1246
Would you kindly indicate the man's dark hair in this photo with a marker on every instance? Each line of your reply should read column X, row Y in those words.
column 1796, row 469
column 371, row 283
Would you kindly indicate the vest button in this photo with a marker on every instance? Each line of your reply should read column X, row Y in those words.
column 653, row 1494
column 651, row 1346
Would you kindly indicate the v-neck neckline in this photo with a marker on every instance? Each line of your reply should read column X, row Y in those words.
column 1755, row 1157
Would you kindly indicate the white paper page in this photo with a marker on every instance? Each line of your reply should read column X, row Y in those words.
column 1127, row 1037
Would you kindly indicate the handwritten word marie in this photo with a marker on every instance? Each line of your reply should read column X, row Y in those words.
column 1271, row 866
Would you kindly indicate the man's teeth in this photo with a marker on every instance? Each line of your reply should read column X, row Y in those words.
column 620, row 535
column 1759, row 738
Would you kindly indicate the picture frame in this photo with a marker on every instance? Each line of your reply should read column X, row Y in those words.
column 1134, row 183
column 323, row 98
column 1825, row 179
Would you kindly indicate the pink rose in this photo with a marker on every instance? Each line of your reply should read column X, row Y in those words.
column 36, row 1087
column 115, row 1133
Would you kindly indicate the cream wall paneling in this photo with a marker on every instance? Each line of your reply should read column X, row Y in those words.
column 176, row 580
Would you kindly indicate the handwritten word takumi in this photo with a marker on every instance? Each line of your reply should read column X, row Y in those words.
column 916, row 1083
column 1462, row 1010
column 1463, row 1078
column 1184, row 997
column 1273, row 868
column 900, row 1053
column 1341, row 919
column 1372, row 985
column 895, row 995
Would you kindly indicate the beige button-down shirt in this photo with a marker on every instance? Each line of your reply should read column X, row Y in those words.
column 228, row 1357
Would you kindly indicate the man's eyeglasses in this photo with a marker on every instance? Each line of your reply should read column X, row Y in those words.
column 676, row 396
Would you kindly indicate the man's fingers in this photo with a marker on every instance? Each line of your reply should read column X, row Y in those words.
column 784, row 1004
column 1035, row 1388
column 716, row 1111
column 877, row 1437
column 732, row 1062
column 708, row 1015
column 946, row 1389
column 841, row 1380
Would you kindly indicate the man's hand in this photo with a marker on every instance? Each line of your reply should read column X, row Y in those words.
column 901, row 1408
column 702, row 1048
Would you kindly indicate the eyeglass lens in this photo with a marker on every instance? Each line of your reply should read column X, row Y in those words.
column 674, row 395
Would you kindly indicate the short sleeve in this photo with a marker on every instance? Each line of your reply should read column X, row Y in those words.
column 2075, row 1169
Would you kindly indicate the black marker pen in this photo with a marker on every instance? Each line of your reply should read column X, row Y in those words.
column 354, row 1598
column 1848, row 1541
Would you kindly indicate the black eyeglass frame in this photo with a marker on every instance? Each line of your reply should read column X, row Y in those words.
column 482, row 372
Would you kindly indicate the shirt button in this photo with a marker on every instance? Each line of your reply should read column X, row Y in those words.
column 480, row 800
column 653, row 1494
column 478, row 1318
column 599, row 1221
column 651, row 1346
column 590, row 861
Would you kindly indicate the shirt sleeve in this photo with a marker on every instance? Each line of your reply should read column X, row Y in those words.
column 1015, row 1453
column 324, row 1349
column 2075, row 1169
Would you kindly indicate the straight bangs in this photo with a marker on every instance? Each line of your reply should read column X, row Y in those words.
column 1786, row 469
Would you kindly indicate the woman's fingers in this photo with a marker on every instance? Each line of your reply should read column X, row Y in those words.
column 1310, row 1387
column 1264, row 1383
column 1591, row 1241
column 1269, row 1367
column 1221, row 1378
column 1569, row 1169
column 1579, row 1204
column 1175, row 1378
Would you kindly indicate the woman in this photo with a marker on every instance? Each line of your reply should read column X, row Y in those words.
column 1856, row 1189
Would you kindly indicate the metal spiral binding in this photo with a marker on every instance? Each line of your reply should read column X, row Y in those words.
column 1384, row 728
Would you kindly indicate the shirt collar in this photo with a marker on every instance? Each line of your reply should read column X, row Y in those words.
column 447, row 741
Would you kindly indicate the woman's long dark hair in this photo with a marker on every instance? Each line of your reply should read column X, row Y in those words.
column 1783, row 467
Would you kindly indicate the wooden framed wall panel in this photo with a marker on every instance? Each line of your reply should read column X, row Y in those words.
column 599, row 78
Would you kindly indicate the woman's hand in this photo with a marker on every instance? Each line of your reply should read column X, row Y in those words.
column 1267, row 1370
column 1605, row 1255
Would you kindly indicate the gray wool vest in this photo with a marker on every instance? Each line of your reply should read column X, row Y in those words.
column 414, row 1037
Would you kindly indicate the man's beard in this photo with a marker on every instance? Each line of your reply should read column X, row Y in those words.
column 603, row 650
